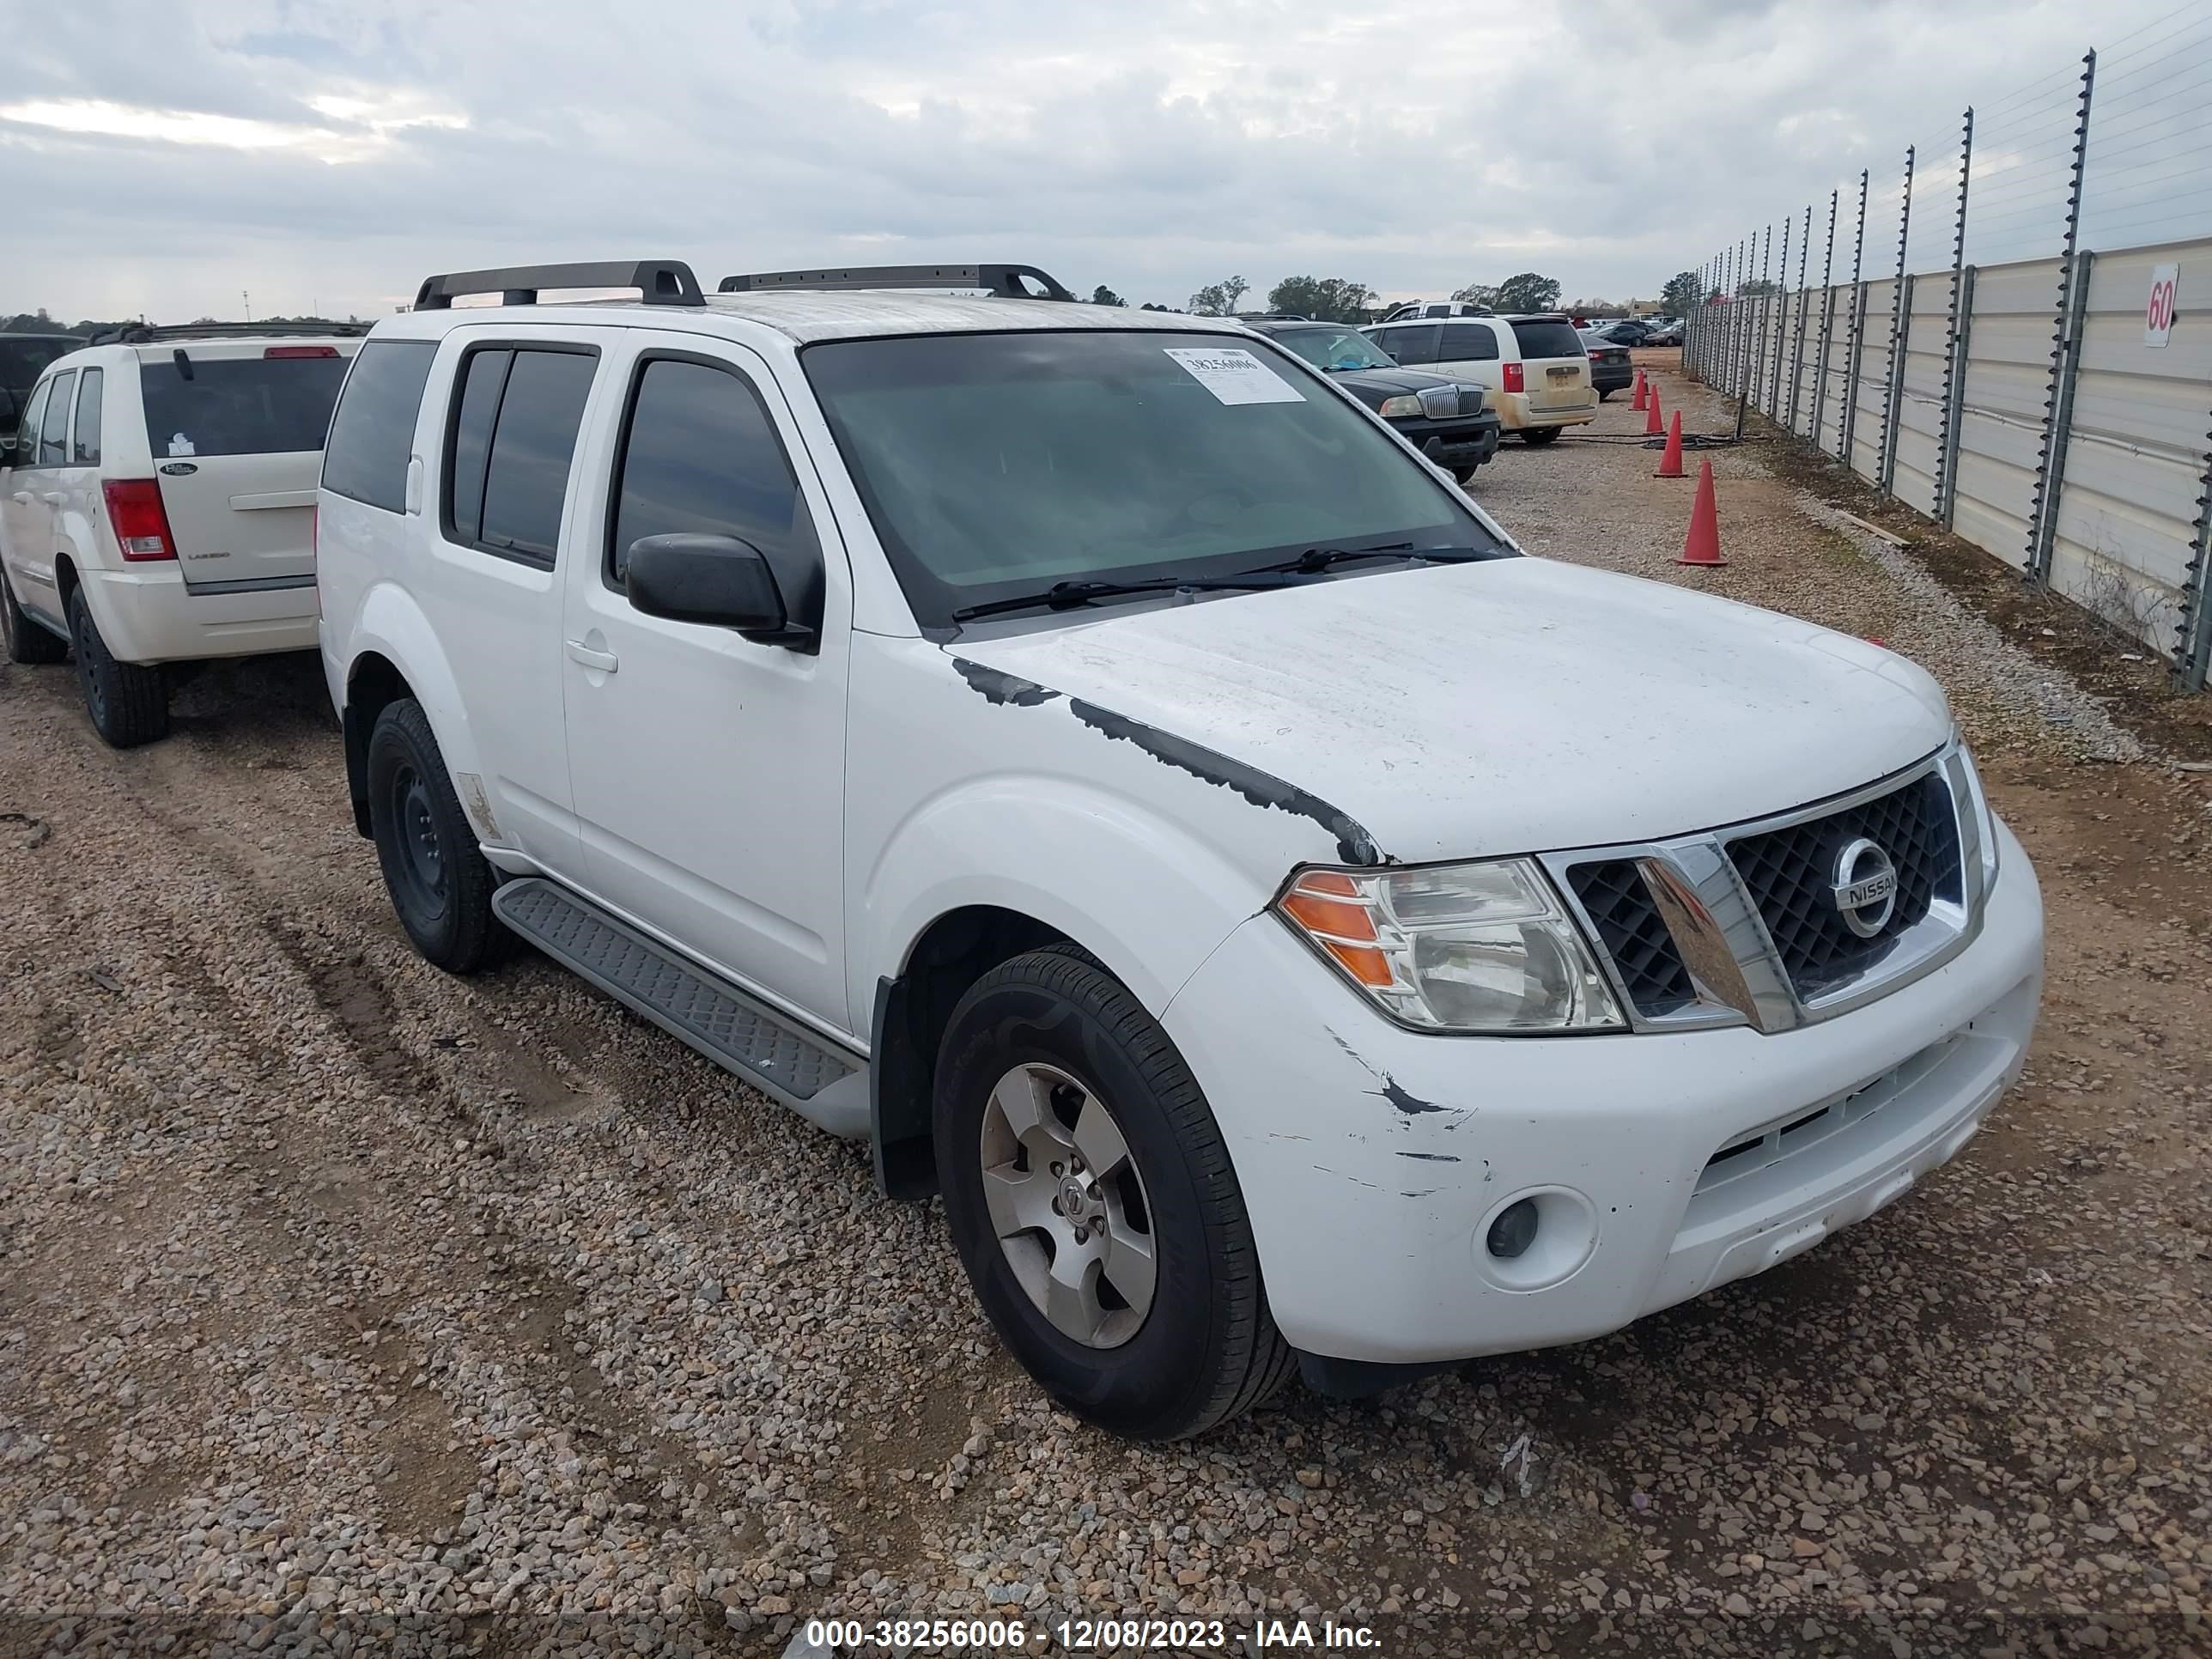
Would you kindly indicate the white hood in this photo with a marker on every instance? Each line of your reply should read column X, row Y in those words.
column 1518, row 706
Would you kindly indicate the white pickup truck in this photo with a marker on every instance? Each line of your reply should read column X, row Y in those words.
column 1089, row 757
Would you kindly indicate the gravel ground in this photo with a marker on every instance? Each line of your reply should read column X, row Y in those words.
column 346, row 1306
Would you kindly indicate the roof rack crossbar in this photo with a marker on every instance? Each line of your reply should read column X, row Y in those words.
column 658, row 281
column 146, row 334
column 1006, row 282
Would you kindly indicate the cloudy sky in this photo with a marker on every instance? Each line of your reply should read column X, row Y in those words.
column 162, row 157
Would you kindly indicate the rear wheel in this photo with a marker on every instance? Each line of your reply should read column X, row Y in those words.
column 27, row 642
column 1092, row 1201
column 1539, row 436
column 129, row 702
column 440, row 881
column 1603, row 392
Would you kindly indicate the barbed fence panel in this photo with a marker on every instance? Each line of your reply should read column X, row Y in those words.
column 2001, row 339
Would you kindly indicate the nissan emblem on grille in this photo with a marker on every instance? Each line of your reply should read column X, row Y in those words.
column 1865, row 887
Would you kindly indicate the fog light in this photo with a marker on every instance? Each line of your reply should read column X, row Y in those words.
column 1514, row 1231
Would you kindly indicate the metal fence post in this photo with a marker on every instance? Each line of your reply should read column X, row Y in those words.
column 2192, row 650
column 1750, row 365
column 1954, row 396
column 1780, row 304
column 1900, row 347
column 1797, row 353
column 2065, row 352
column 1899, row 310
column 1737, row 338
column 1827, row 324
column 1954, row 336
column 1850, row 419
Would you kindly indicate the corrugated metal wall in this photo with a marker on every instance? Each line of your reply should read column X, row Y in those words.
column 2135, row 452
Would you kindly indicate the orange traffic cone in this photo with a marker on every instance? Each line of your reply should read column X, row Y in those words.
column 1703, row 545
column 1670, row 463
column 1639, row 402
column 1652, row 428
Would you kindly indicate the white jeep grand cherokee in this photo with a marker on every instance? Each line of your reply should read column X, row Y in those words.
column 1088, row 756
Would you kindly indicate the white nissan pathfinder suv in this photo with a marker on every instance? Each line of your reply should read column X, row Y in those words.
column 159, row 507
column 1088, row 756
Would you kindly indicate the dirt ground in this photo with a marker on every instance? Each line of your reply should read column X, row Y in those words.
column 346, row 1306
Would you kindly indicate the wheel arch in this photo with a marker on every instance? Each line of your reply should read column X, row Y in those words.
column 395, row 653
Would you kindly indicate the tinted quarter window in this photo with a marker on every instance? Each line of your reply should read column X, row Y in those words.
column 84, row 447
column 533, row 440
column 701, row 455
column 372, row 433
column 483, row 378
column 238, row 406
column 1411, row 345
column 1548, row 340
column 56, row 427
column 1467, row 343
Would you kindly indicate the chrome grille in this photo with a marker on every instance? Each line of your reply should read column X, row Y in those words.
column 1790, row 874
column 1629, row 925
column 1440, row 403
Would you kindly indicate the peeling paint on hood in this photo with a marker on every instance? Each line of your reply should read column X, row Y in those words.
column 1516, row 706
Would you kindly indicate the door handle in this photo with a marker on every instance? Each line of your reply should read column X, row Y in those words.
column 54, row 498
column 605, row 661
column 23, row 498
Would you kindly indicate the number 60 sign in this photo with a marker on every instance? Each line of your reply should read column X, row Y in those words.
column 2158, row 314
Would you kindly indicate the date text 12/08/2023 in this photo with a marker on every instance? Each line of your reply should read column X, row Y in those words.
column 1086, row 1635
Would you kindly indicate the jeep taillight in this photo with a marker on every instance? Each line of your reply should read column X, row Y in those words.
column 141, row 523
column 1515, row 380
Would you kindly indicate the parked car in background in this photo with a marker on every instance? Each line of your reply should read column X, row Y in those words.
column 1610, row 368
column 1666, row 331
column 1446, row 419
column 1427, row 308
column 1534, row 368
column 1077, row 753
column 1622, row 331
column 165, row 513
column 23, row 358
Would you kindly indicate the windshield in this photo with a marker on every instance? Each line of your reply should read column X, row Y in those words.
column 1331, row 348
column 996, row 465
column 238, row 406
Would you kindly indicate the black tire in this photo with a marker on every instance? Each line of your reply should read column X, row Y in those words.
column 1539, row 436
column 1466, row 479
column 1603, row 392
column 27, row 642
column 440, row 881
column 129, row 702
column 1208, row 1349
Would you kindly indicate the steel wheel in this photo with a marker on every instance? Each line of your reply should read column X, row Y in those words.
column 1068, row 1205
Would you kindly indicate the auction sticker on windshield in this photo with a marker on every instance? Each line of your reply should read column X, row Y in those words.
column 1235, row 375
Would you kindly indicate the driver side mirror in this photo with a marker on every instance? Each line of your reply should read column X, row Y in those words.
column 717, row 580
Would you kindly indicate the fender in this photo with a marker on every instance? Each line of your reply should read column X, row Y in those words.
column 392, row 623
column 1132, row 886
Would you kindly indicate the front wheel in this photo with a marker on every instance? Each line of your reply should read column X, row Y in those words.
column 129, row 702
column 1540, row 435
column 440, row 881
column 1092, row 1201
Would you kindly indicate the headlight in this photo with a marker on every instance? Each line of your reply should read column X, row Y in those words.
column 1985, row 819
column 1405, row 404
column 1460, row 947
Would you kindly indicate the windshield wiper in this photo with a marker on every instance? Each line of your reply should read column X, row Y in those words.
column 1315, row 560
column 1066, row 596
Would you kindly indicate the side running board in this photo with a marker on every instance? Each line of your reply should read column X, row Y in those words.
column 731, row 1028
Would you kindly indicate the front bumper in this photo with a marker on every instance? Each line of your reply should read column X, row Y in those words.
column 149, row 616
column 1374, row 1159
column 1461, row 444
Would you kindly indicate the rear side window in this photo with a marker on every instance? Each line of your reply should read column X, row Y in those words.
column 701, row 455
column 52, row 448
column 84, row 447
column 1411, row 345
column 1548, row 340
column 513, row 436
column 1467, row 343
column 372, row 433
column 238, row 406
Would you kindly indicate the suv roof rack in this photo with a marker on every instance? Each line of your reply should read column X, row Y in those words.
column 147, row 334
column 1006, row 282
column 658, row 282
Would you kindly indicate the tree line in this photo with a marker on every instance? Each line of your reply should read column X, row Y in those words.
column 1339, row 300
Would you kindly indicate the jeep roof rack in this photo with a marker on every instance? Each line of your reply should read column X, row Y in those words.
column 658, row 282
column 1005, row 281
column 149, row 334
